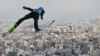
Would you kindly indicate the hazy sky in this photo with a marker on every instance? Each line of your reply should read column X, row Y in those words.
column 55, row 9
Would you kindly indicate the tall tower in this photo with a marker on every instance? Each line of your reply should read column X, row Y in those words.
column 98, row 21
column 75, row 25
column 96, row 27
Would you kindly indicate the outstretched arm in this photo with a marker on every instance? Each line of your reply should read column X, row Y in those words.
column 42, row 14
column 24, row 7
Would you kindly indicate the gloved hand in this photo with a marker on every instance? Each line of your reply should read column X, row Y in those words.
column 24, row 7
column 41, row 18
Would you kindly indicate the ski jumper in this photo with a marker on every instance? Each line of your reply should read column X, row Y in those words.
column 35, row 13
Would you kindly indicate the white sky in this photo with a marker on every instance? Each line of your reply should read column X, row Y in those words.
column 55, row 9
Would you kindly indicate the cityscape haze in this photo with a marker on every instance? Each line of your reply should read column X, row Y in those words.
column 69, row 39
column 75, row 32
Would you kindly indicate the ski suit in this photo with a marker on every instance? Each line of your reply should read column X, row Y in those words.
column 34, row 13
